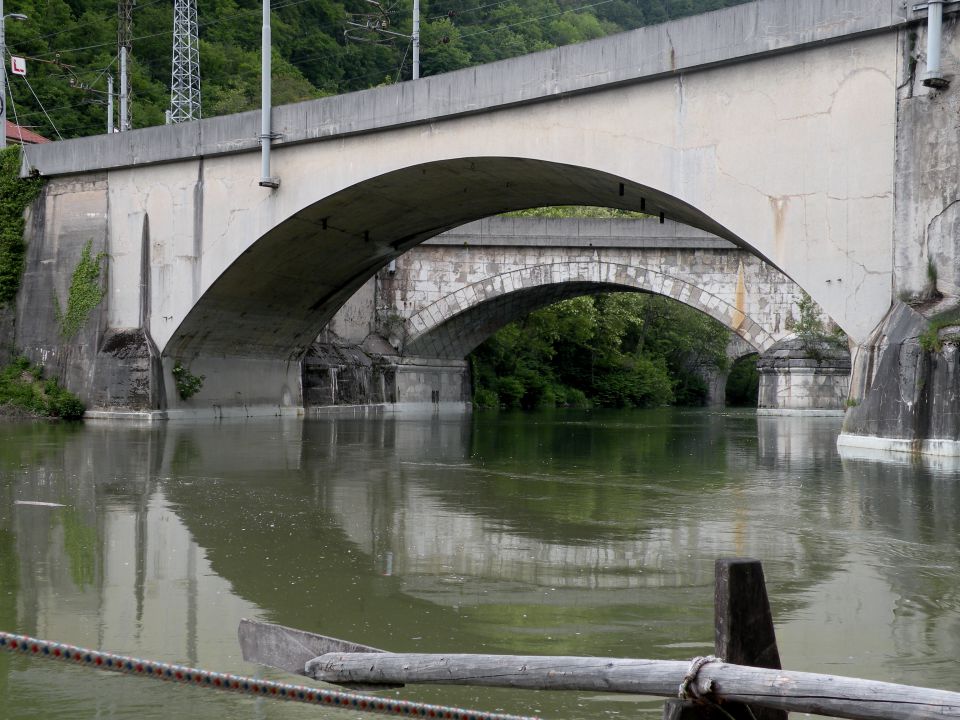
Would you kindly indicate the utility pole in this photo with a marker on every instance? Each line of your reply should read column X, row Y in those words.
column 3, row 71
column 124, row 45
column 416, row 39
column 373, row 29
column 109, row 104
column 266, row 102
column 185, row 76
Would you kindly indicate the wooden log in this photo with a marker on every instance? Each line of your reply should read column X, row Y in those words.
column 743, row 625
column 289, row 649
column 779, row 689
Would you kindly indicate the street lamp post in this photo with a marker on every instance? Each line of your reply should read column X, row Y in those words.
column 3, row 71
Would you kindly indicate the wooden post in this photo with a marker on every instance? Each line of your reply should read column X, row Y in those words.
column 743, row 634
column 689, row 710
column 743, row 624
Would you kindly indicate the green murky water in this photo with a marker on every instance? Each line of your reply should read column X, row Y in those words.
column 589, row 533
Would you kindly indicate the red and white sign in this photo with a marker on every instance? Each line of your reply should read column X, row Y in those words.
column 18, row 65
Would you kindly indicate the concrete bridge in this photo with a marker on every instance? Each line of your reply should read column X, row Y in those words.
column 796, row 129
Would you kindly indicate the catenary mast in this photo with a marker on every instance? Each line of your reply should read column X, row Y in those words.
column 185, row 79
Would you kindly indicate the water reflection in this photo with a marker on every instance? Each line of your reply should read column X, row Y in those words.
column 563, row 532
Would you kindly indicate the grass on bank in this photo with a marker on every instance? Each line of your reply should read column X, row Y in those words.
column 24, row 392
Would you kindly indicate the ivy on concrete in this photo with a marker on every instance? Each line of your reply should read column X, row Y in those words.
column 15, row 195
column 86, row 292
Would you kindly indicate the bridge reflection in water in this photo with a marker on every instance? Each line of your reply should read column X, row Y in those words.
column 569, row 532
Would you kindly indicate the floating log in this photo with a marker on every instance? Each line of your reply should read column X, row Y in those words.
column 723, row 682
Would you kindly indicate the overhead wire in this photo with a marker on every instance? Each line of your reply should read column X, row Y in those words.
column 403, row 61
column 530, row 20
column 45, row 113
column 468, row 10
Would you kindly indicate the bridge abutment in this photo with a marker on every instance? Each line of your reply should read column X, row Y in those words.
column 905, row 391
column 904, row 394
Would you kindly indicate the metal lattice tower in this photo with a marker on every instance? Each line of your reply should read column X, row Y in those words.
column 124, row 47
column 185, row 80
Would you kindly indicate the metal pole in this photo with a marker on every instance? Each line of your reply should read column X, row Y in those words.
column 124, row 118
column 109, row 104
column 266, row 131
column 3, row 81
column 3, row 70
column 934, row 76
column 416, row 39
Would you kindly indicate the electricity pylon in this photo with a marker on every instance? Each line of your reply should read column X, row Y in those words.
column 185, row 79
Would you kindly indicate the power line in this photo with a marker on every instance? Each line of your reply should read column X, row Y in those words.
column 452, row 13
column 27, row 83
column 159, row 34
column 530, row 20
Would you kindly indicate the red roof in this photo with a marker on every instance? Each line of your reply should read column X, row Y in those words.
column 22, row 136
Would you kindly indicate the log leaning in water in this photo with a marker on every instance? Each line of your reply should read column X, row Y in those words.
column 780, row 689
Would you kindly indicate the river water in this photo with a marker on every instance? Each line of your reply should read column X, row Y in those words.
column 569, row 532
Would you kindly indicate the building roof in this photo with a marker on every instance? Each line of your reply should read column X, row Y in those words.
column 23, row 136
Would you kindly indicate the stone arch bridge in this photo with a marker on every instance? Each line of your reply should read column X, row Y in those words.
column 426, row 311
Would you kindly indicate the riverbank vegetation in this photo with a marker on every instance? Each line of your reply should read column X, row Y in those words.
column 25, row 393
column 71, row 49
column 611, row 350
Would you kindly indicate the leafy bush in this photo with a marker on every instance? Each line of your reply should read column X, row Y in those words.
column 576, row 398
column 743, row 383
column 485, row 398
column 690, row 390
column 188, row 384
column 510, row 391
column 23, row 389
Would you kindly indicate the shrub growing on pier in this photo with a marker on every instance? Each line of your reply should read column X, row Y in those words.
column 24, row 391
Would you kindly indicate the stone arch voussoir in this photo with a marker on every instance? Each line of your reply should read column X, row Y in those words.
column 422, row 330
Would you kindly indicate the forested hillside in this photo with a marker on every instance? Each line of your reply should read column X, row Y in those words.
column 71, row 46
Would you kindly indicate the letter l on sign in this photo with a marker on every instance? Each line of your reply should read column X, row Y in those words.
column 18, row 65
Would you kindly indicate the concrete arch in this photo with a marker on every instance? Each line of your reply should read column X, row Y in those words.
column 273, row 299
column 781, row 140
column 454, row 325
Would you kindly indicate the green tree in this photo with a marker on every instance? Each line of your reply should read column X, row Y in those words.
column 618, row 350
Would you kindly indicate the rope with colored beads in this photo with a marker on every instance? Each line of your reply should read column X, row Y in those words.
column 84, row 657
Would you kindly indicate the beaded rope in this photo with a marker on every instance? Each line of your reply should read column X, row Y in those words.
column 84, row 657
